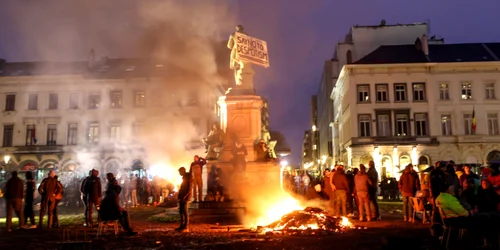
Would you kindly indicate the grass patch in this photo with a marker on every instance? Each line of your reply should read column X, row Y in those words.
column 391, row 206
column 165, row 218
column 64, row 220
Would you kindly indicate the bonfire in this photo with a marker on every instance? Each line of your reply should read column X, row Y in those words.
column 310, row 218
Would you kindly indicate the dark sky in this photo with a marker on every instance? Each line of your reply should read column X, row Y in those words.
column 300, row 34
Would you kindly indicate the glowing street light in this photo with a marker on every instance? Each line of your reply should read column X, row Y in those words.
column 283, row 164
column 6, row 159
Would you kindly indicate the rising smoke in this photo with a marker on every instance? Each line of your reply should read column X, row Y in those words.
column 184, row 35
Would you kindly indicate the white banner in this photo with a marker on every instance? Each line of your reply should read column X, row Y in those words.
column 252, row 50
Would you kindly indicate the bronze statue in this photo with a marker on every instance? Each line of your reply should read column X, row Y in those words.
column 240, row 68
column 213, row 142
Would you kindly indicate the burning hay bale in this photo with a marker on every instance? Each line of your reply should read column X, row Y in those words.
column 310, row 219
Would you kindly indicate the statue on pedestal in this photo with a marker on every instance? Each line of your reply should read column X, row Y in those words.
column 265, row 147
column 243, row 71
column 213, row 142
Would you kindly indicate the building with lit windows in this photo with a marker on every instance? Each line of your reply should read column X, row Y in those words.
column 359, row 41
column 419, row 103
column 99, row 114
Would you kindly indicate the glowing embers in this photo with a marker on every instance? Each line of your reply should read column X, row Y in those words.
column 309, row 219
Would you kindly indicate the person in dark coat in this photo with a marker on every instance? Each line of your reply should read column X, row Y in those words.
column 240, row 157
column 110, row 206
column 84, row 196
column 28, row 200
column 93, row 192
column 373, row 192
column 14, row 192
column 48, row 189
column 184, row 196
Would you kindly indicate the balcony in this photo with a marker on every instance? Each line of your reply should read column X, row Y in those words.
column 38, row 149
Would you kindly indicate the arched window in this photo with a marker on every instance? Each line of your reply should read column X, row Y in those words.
column 493, row 156
column 423, row 160
column 349, row 56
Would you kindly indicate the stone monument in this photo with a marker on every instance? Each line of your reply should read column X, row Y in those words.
column 240, row 124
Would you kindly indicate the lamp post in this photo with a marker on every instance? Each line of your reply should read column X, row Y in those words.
column 283, row 164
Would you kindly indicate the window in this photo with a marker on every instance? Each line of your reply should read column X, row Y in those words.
column 363, row 93
column 93, row 133
column 383, row 125
column 421, row 124
column 51, row 134
column 116, row 99
column 446, row 124
column 418, row 92
column 466, row 91
column 468, row 124
column 94, row 100
column 492, row 124
column 348, row 57
column 139, row 99
column 382, row 93
column 72, row 133
column 33, row 102
column 8, row 135
column 10, row 102
column 115, row 133
column 73, row 100
column 30, row 135
column 400, row 92
column 53, row 101
column 490, row 91
column 193, row 98
column 444, row 91
column 364, row 125
column 402, row 125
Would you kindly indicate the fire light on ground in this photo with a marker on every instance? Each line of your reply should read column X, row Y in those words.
column 167, row 172
column 272, row 210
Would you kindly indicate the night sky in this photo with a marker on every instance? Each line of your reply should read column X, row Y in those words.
column 300, row 34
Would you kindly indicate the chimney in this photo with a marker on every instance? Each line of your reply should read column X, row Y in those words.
column 425, row 44
column 91, row 61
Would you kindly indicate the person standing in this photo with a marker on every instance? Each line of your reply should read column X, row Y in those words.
column 28, row 200
column 84, row 197
column 327, row 189
column 58, row 198
column 133, row 190
column 362, row 186
column 196, row 171
column 14, row 191
column 373, row 192
column 184, row 196
column 409, row 184
column 48, row 189
column 341, row 186
column 93, row 193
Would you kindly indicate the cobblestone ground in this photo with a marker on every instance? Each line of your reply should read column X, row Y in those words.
column 389, row 233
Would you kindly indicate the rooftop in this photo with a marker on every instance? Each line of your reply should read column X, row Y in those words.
column 439, row 53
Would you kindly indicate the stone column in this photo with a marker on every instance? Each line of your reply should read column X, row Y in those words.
column 241, row 120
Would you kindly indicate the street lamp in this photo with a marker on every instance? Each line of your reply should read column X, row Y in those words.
column 6, row 159
column 283, row 164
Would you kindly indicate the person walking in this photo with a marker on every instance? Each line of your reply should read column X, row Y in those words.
column 14, row 191
column 48, row 189
column 28, row 200
column 184, row 196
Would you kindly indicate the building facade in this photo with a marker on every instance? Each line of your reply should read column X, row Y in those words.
column 419, row 103
column 360, row 41
column 113, row 115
